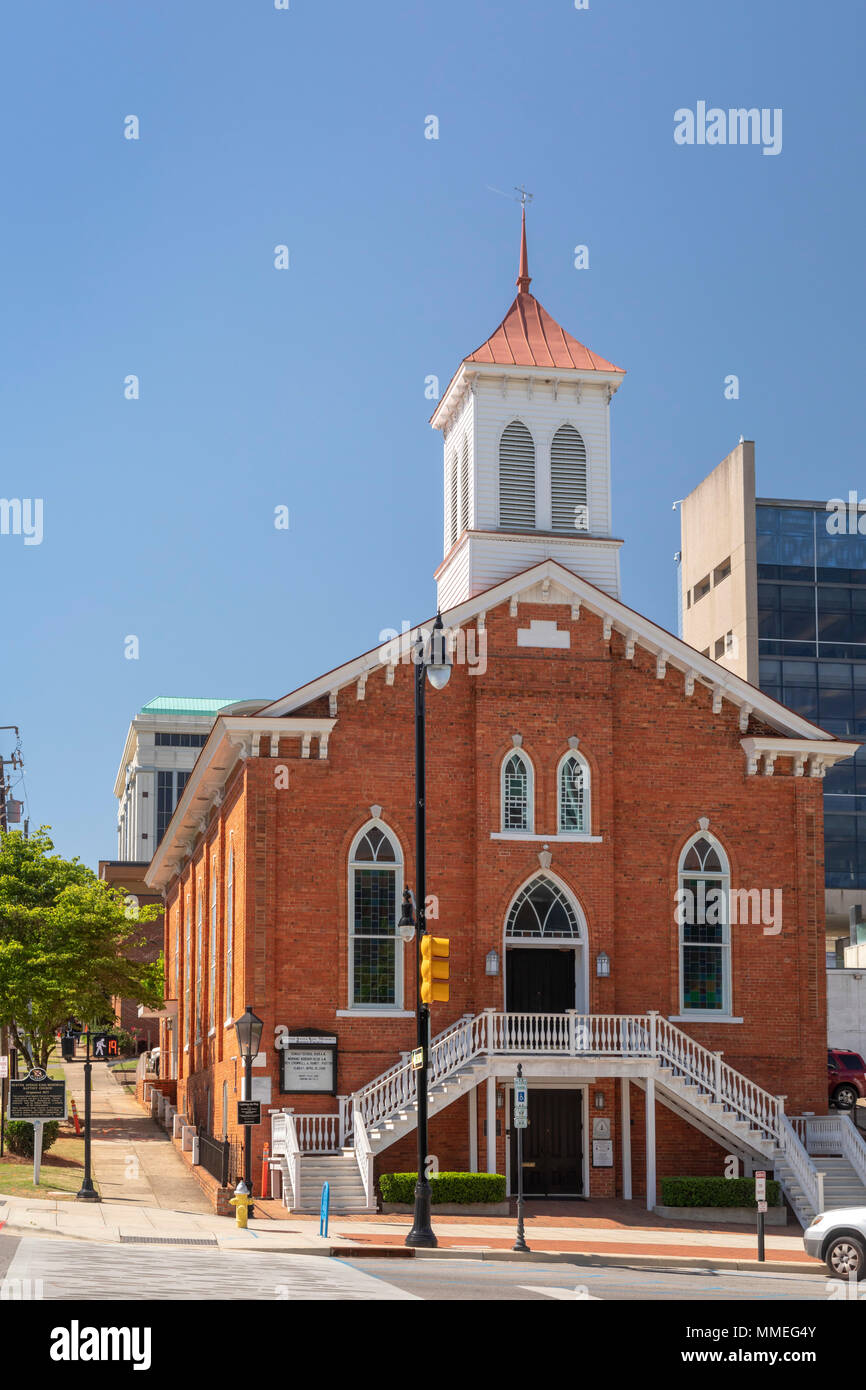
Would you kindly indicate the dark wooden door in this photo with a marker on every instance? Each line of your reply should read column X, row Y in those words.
column 552, row 1146
column 539, row 981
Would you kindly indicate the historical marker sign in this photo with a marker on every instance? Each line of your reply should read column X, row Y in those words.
column 37, row 1098
column 249, row 1112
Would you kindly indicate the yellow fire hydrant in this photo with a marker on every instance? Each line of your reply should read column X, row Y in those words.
column 242, row 1201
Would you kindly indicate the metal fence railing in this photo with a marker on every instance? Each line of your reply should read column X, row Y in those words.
column 214, row 1156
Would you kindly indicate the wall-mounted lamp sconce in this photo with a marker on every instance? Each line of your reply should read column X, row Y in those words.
column 491, row 963
column 599, row 1100
column 602, row 965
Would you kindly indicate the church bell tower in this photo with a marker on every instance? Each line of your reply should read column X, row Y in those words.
column 526, row 430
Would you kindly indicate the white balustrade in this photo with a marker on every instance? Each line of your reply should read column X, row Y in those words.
column 810, row 1180
column 853, row 1146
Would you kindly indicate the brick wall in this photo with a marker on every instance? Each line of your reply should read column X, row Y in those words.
column 660, row 761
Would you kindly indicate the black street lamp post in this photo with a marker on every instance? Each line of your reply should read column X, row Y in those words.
column 434, row 663
column 249, row 1030
column 87, row 1192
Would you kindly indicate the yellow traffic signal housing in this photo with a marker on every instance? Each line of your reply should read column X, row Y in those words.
column 435, row 968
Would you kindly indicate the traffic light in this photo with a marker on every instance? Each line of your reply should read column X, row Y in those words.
column 435, row 967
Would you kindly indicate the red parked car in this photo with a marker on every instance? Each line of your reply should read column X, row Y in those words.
column 846, row 1077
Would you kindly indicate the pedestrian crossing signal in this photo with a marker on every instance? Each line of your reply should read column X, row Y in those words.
column 435, row 969
column 104, row 1046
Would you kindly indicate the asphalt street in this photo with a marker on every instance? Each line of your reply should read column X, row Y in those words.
column 51, row 1269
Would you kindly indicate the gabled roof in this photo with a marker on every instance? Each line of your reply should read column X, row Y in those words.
column 529, row 337
column 580, row 593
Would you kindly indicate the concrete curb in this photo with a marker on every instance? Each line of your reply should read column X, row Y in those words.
column 672, row 1262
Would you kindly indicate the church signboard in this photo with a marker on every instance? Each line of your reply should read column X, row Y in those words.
column 308, row 1063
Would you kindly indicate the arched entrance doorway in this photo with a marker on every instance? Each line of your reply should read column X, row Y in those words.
column 545, row 950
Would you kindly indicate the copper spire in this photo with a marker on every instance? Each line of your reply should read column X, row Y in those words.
column 523, row 276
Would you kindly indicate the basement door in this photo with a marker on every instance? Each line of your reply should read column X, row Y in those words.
column 552, row 1145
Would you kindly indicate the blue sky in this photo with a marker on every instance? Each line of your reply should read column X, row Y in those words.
column 306, row 387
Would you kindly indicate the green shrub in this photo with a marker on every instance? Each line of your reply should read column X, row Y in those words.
column 716, row 1192
column 454, row 1188
column 19, row 1136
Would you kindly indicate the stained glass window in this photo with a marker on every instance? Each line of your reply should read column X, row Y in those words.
column 515, row 794
column 573, row 794
column 703, row 914
column 374, row 957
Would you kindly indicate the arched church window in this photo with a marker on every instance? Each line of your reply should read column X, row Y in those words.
column 375, row 890
column 542, row 909
column 517, row 792
column 568, row 481
column 516, row 478
column 704, row 921
column 574, row 794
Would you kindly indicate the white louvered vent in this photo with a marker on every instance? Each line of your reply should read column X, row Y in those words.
column 464, row 487
column 516, row 478
column 452, row 502
column 568, row 481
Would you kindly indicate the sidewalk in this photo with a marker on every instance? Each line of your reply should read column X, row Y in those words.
column 602, row 1234
column 133, row 1159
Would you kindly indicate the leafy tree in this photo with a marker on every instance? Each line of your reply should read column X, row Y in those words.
column 65, row 939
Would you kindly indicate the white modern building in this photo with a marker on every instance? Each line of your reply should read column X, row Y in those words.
column 162, row 745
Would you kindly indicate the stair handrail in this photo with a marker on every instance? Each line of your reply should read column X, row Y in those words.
column 291, row 1166
column 397, row 1087
column 801, row 1165
column 363, row 1156
column 717, row 1079
column 394, row 1074
column 853, row 1146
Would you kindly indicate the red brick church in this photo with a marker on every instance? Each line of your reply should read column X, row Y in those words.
column 591, row 774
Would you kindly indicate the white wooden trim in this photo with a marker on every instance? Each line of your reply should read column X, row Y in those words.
column 625, row 1136
column 650, row 1143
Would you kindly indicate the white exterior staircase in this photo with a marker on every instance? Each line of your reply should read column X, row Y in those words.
column 689, row 1079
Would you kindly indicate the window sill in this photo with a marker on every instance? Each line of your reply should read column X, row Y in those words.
column 211, row 1032
column 564, row 837
column 703, row 1018
column 361, row 1012
column 229, row 1023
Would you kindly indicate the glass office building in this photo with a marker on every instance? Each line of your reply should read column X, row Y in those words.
column 812, row 654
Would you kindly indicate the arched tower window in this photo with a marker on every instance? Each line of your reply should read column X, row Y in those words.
column 464, row 486
column 573, row 798
column 375, row 892
column 568, row 481
column 704, row 921
column 517, row 792
column 452, row 499
column 516, row 478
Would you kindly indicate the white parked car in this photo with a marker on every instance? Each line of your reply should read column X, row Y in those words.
column 839, row 1239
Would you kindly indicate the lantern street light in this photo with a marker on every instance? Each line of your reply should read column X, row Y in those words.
column 249, row 1030
column 434, row 662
